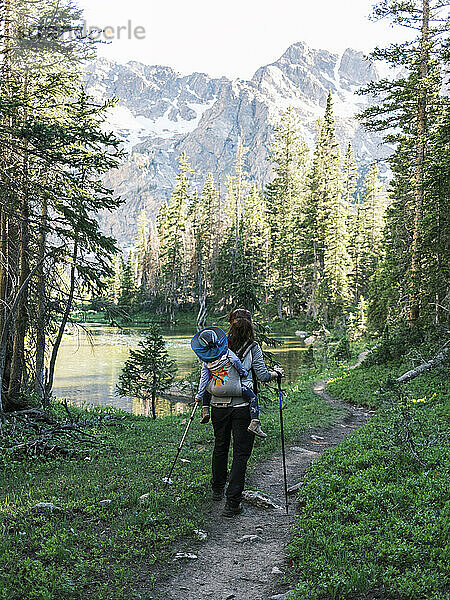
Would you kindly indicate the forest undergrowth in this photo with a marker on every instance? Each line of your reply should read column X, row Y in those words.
column 375, row 509
column 98, row 537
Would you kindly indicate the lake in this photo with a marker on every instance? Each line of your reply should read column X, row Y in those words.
column 90, row 361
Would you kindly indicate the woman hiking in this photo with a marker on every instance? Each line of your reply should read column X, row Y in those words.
column 231, row 416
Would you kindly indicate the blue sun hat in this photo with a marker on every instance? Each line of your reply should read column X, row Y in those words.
column 210, row 343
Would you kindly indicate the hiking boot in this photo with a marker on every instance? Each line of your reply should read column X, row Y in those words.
column 232, row 509
column 205, row 414
column 217, row 495
column 255, row 427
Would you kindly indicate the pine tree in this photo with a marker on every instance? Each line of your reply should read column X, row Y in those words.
column 152, row 266
column 230, row 261
column 285, row 199
column 354, row 247
column 372, row 212
column 172, row 240
column 127, row 286
column 53, row 148
column 436, row 225
column 326, row 223
column 148, row 371
column 140, row 251
column 409, row 109
column 251, row 266
column 349, row 176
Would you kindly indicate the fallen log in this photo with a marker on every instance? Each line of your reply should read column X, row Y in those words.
column 424, row 367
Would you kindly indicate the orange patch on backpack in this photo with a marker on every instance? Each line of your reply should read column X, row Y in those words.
column 219, row 376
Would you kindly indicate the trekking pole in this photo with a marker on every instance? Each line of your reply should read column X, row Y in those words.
column 282, row 442
column 167, row 479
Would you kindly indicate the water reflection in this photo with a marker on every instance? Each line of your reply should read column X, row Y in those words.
column 89, row 364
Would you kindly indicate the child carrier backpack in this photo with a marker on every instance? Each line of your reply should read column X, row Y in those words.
column 225, row 382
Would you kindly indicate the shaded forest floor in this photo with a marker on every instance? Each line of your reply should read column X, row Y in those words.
column 371, row 523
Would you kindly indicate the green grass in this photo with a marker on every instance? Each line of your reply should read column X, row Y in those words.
column 375, row 520
column 90, row 550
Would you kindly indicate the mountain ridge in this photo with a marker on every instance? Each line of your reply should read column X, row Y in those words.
column 161, row 113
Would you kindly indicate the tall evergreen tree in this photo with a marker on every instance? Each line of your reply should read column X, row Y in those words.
column 372, row 212
column 409, row 109
column 327, row 225
column 172, row 241
column 53, row 152
column 205, row 223
column 349, row 176
column 285, row 200
column 252, row 262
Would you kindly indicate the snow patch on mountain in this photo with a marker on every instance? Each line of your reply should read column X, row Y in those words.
column 133, row 129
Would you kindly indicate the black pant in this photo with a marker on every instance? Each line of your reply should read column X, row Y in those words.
column 227, row 421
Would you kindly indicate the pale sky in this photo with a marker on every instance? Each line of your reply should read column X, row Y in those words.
column 233, row 37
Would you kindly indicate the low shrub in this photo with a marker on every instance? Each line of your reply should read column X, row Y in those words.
column 375, row 510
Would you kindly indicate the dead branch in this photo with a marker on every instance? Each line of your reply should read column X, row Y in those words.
column 424, row 367
column 31, row 412
column 41, row 447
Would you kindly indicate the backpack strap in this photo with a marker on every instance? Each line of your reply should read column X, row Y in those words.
column 242, row 355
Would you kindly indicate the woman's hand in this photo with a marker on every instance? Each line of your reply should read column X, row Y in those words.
column 277, row 372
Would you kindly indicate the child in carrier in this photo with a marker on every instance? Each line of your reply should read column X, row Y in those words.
column 221, row 375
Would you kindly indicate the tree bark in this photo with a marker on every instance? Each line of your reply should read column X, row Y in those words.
column 41, row 307
column 62, row 326
column 3, row 267
column 18, row 360
column 414, row 299
column 154, row 396
column 7, row 327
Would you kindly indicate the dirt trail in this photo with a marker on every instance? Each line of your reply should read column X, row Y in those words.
column 230, row 568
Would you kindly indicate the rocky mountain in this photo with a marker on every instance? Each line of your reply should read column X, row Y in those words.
column 160, row 114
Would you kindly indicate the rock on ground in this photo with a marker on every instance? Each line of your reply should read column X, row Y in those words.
column 258, row 499
column 45, row 507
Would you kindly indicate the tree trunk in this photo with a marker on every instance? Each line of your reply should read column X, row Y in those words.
column 9, row 321
column 414, row 299
column 202, row 312
column 423, row 368
column 62, row 326
column 18, row 359
column 3, row 267
column 280, row 308
column 41, row 307
column 153, row 402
